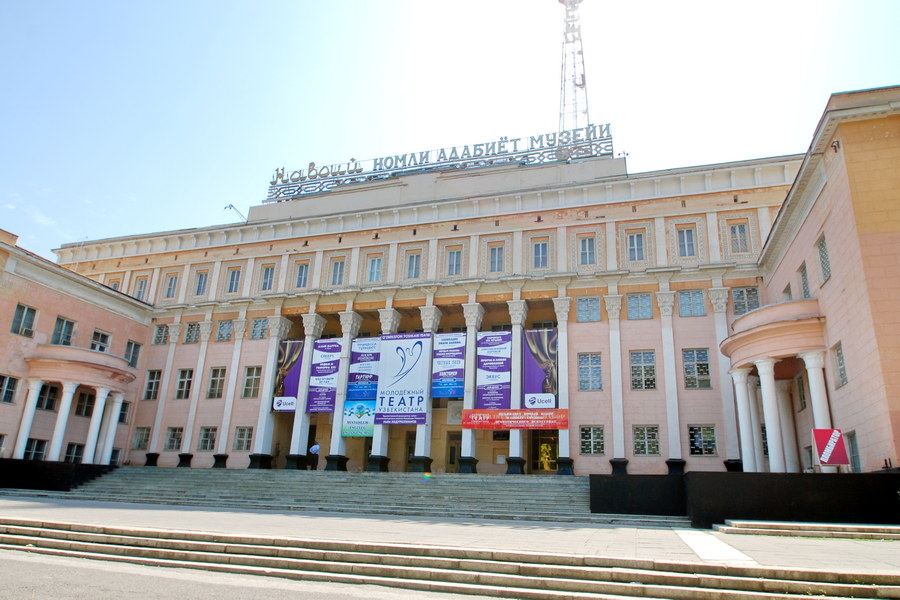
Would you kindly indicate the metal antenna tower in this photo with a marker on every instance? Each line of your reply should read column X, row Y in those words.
column 573, row 105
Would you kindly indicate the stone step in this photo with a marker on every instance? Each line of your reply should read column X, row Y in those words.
column 801, row 529
column 459, row 570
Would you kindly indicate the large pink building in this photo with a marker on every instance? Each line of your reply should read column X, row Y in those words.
column 707, row 317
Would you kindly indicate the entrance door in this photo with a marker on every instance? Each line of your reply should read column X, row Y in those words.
column 454, row 447
column 544, row 450
column 410, row 448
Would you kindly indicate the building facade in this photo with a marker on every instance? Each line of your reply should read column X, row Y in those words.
column 696, row 326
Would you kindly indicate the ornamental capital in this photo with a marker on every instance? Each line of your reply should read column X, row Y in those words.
column 390, row 320
column 473, row 312
column 279, row 327
column 613, row 305
column 517, row 311
column 666, row 302
column 431, row 317
column 561, row 306
column 313, row 325
column 350, row 322
column 719, row 299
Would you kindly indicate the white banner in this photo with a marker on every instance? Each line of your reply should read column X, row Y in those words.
column 404, row 379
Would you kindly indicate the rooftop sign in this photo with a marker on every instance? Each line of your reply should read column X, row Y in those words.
column 584, row 142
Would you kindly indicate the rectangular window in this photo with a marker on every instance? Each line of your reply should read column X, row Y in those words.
column 47, row 397
column 590, row 373
column 696, row 369
column 23, row 320
column 84, row 406
column 267, row 278
column 224, row 330
column 74, row 453
column 635, row 246
column 171, row 286
column 646, row 440
column 35, row 449
column 587, row 309
column 8, row 388
column 173, row 438
column 140, row 288
column 586, row 252
column 100, row 341
column 161, row 334
column 454, row 262
column 216, row 382
column 824, row 261
column 853, row 451
column 691, row 303
column 686, row 246
column 839, row 365
column 302, row 274
column 243, row 438
column 337, row 272
column 192, row 333
column 702, row 439
column 200, row 283
column 259, row 329
column 252, row 377
column 786, row 293
column 114, row 284
column 413, row 262
column 141, row 438
column 207, row 441
column 540, row 254
column 804, row 282
column 132, row 353
column 745, row 299
column 740, row 242
column 643, row 370
column 765, row 440
column 374, row 269
column 151, row 389
column 591, row 438
column 640, row 306
column 801, row 394
column 124, row 412
column 185, row 378
column 234, row 281
column 63, row 331
column 496, row 259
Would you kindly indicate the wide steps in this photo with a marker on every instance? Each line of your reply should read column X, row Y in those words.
column 818, row 530
column 459, row 570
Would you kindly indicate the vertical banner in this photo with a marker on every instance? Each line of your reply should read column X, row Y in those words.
column 358, row 419
column 540, row 388
column 326, row 359
column 493, row 362
column 287, row 375
column 830, row 448
column 448, row 365
column 404, row 379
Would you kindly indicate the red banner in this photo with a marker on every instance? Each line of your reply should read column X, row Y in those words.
column 551, row 418
column 830, row 448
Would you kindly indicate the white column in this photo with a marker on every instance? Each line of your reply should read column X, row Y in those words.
column 613, row 308
column 174, row 330
column 666, row 302
column 766, row 369
column 239, row 328
column 62, row 418
column 112, row 425
column 34, row 390
column 786, row 416
column 90, row 445
column 350, row 323
column 279, row 327
column 719, row 299
column 196, row 387
column 748, row 454
column 752, row 386
column 473, row 312
column 390, row 320
column 313, row 324
column 517, row 311
column 561, row 307
column 431, row 320
column 818, row 394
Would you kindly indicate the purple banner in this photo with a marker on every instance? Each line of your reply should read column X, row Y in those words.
column 448, row 365
column 362, row 381
column 493, row 363
column 287, row 375
column 539, row 382
column 326, row 358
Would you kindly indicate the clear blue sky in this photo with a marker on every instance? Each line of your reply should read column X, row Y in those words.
column 137, row 116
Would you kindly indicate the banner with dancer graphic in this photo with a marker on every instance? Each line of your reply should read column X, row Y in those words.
column 540, row 388
column 448, row 365
column 287, row 375
column 326, row 359
column 362, row 381
column 404, row 379
column 493, row 362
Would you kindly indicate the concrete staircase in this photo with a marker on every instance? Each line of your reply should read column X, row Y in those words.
column 532, row 498
column 440, row 569
column 818, row 530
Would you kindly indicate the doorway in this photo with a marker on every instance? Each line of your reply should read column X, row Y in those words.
column 544, row 449
column 454, row 448
column 410, row 449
